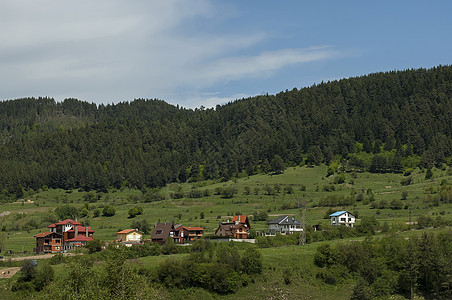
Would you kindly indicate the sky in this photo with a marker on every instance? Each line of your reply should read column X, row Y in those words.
column 204, row 52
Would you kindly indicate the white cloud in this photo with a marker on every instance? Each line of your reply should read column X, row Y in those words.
column 112, row 50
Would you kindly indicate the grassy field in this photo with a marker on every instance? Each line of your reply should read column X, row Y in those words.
column 307, row 184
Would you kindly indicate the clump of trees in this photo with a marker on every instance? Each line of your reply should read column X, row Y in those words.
column 32, row 278
column 219, row 268
column 391, row 265
column 115, row 279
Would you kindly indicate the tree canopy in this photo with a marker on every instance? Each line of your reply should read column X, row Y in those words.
column 399, row 118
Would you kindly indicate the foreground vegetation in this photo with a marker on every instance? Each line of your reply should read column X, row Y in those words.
column 400, row 266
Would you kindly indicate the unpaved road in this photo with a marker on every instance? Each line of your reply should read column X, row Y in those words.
column 42, row 256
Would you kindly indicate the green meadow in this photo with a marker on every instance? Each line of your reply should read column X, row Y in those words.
column 273, row 194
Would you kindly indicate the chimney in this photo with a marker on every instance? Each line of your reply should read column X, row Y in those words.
column 76, row 230
column 86, row 227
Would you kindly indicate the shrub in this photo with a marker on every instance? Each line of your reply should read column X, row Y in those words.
column 134, row 211
column 406, row 181
column 109, row 211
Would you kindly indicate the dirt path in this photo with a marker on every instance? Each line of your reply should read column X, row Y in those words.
column 8, row 272
column 42, row 256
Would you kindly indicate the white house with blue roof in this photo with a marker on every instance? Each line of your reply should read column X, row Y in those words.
column 342, row 217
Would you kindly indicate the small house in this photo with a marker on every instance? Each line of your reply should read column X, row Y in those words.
column 342, row 218
column 284, row 225
column 129, row 237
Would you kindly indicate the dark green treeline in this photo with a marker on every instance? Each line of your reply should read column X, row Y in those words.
column 74, row 144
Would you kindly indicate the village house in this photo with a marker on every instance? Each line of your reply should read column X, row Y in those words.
column 184, row 234
column 63, row 236
column 239, row 228
column 342, row 218
column 161, row 232
column 48, row 242
column 284, row 225
column 129, row 237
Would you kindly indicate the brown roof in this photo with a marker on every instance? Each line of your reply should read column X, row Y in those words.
column 229, row 228
column 161, row 231
column 44, row 234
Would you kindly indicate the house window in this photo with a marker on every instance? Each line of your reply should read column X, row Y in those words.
column 46, row 241
column 57, row 241
column 57, row 247
column 159, row 231
column 349, row 219
column 343, row 219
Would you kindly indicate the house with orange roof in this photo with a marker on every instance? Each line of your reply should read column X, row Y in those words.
column 128, row 237
column 183, row 234
column 63, row 236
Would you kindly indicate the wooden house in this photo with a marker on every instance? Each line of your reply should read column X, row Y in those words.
column 161, row 232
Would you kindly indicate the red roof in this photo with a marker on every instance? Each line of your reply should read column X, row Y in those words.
column 81, row 229
column 81, row 238
column 241, row 219
column 68, row 221
column 43, row 234
column 51, row 225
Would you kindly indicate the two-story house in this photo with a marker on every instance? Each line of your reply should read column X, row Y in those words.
column 239, row 228
column 284, row 225
column 342, row 218
column 63, row 236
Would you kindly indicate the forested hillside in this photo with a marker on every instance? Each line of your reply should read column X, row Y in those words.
column 384, row 122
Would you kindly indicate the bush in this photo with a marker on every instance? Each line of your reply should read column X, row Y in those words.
column 134, row 211
column 57, row 259
column 109, row 211
column 406, row 181
column 340, row 178
column 96, row 213
column 260, row 215
column 94, row 246
column 325, row 256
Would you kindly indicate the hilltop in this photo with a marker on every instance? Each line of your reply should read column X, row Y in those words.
column 383, row 122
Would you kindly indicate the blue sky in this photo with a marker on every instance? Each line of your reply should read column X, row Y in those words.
column 202, row 52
